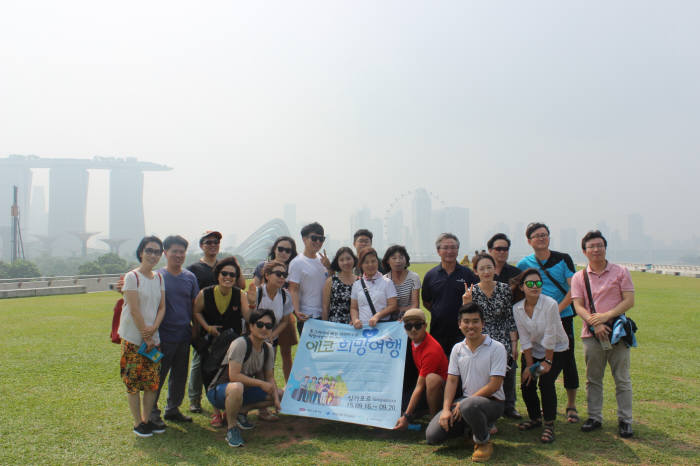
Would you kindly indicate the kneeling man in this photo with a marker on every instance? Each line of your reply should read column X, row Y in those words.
column 480, row 362
column 246, row 379
column 431, row 362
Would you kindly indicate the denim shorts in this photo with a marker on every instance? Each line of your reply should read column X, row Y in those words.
column 251, row 395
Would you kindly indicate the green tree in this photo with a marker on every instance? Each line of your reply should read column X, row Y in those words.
column 23, row 269
column 90, row 268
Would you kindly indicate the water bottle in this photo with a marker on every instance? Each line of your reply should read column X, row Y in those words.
column 415, row 427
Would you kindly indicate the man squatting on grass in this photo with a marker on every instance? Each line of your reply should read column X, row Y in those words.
column 480, row 362
column 431, row 363
column 613, row 295
column 242, row 385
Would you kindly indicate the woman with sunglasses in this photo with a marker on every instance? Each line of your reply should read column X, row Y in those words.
column 373, row 296
column 283, row 250
column 543, row 339
column 495, row 299
column 220, row 307
column 338, row 288
column 142, row 313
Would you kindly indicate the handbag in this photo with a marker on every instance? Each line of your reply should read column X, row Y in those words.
column 630, row 326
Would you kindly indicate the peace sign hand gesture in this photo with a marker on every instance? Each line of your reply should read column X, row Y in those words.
column 467, row 296
column 325, row 261
column 252, row 295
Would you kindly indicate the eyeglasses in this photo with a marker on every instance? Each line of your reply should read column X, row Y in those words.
column 533, row 283
column 153, row 252
column 540, row 236
column 211, row 242
column 449, row 248
column 283, row 249
column 410, row 326
column 317, row 238
column 261, row 324
column 596, row 246
column 501, row 248
column 223, row 273
column 279, row 273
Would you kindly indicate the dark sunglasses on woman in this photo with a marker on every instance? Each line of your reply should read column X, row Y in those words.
column 283, row 249
column 279, row 273
column 228, row 274
column 261, row 324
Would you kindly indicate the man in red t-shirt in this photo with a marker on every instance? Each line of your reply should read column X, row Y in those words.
column 431, row 363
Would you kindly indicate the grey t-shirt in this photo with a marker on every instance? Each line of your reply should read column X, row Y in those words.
column 255, row 366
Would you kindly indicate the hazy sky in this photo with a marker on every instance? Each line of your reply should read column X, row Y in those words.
column 568, row 112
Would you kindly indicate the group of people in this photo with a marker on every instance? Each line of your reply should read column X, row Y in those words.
column 462, row 371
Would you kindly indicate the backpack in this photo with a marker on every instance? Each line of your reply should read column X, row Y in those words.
column 212, row 366
column 284, row 296
column 117, row 314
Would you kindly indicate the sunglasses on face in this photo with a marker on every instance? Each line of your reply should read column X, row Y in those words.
column 283, row 249
column 533, row 283
column 211, row 242
column 228, row 274
column 316, row 238
column 279, row 273
column 154, row 252
column 267, row 325
column 501, row 248
column 410, row 326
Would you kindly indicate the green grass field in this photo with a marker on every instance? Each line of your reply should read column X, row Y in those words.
column 62, row 401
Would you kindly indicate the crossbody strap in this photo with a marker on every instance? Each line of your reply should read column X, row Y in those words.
column 588, row 291
column 556, row 283
column 369, row 298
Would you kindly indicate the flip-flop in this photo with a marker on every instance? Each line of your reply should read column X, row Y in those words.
column 572, row 415
column 547, row 433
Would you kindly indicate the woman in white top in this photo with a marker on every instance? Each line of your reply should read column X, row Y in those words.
column 380, row 289
column 396, row 260
column 143, row 311
column 543, row 338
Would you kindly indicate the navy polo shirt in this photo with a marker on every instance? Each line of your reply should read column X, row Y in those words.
column 444, row 292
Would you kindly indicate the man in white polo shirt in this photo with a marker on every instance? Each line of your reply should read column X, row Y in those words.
column 307, row 276
column 480, row 363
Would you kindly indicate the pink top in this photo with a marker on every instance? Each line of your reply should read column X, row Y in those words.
column 606, row 288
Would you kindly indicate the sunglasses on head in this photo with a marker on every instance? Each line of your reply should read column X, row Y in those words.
column 317, row 238
column 211, row 242
column 533, row 283
column 223, row 273
column 283, row 249
column 155, row 252
column 261, row 324
column 411, row 325
column 279, row 273
column 501, row 248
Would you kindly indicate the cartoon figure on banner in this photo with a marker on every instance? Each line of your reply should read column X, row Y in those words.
column 321, row 390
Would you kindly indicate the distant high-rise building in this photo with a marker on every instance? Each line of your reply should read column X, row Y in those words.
column 456, row 220
column 38, row 215
column 395, row 228
column 421, row 217
column 635, row 232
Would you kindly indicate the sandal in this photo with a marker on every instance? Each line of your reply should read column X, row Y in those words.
column 572, row 415
column 547, row 433
column 529, row 425
column 265, row 415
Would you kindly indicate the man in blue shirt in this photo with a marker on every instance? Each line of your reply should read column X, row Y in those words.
column 557, row 269
column 175, row 331
column 443, row 287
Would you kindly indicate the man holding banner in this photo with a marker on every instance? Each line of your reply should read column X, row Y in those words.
column 480, row 362
column 431, row 363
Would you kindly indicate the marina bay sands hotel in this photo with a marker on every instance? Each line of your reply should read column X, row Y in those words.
column 68, row 193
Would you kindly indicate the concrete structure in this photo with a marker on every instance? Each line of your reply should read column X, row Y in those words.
column 68, row 188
